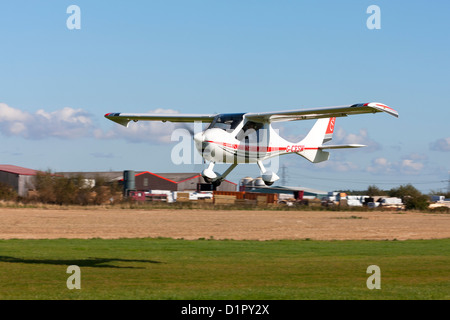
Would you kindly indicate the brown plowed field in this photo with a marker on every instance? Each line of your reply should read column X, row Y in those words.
column 82, row 223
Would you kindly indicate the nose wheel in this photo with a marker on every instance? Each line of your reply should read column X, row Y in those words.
column 210, row 176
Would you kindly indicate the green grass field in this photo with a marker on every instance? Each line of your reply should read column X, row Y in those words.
column 232, row 270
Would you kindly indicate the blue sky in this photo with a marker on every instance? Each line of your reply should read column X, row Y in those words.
column 227, row 56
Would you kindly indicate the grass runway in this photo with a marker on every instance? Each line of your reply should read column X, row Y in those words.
column 169, row 269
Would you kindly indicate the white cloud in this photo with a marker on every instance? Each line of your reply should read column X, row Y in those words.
column 340, row 136
column 66, row 123
column 340, row 166
column 442, row 145
column 8, row 114
column 380, row 165
column 411, row 164
column 69, row 123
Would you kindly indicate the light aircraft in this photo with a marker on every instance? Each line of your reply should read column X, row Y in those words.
column 236, row 138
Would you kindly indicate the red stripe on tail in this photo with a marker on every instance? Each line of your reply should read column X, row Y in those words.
column 330, row 127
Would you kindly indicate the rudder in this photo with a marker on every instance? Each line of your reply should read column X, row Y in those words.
column 321, row 132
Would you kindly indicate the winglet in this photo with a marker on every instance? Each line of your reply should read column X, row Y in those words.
column 116, row 118
column 382, row 107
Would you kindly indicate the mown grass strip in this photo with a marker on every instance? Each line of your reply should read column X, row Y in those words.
column 226, row 269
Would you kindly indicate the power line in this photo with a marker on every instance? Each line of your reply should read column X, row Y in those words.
column 369, row 181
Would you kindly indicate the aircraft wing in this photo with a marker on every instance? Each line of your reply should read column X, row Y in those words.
column 328, row 112
column 125, row 118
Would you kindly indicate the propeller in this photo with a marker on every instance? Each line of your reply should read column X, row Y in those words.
column 192, row 132
column 189, row 128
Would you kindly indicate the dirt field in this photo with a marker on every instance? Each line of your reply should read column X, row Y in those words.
column 235, row 224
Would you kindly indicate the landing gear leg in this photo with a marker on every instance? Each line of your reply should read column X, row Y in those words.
column 268, row 177
column 227, row 172
column 213, row 177
column 208, row 174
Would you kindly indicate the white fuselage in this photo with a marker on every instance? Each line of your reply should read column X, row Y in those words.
column 243, row 146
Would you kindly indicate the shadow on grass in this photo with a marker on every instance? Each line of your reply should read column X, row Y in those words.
column 90, row 262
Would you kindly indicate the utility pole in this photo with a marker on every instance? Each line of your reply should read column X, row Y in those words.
column 283, row 175
column 448, row 185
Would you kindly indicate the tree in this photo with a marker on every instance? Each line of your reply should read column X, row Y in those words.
column 44, row 184
column 375, row 191
column 65, row 191
column 411, row 197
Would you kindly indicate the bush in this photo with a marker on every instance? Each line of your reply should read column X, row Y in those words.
column 411, row 197
column 7, row 192
column 54, row 189
column 44, row 187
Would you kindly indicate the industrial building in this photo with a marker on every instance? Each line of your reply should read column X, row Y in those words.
column 19, row 178
column 257, row 185
column 177, row 182
column 146, row 180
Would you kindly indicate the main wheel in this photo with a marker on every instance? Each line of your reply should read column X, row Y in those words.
column 207, row 180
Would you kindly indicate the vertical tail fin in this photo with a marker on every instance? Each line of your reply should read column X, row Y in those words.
column 330, row 129
column 321, row 132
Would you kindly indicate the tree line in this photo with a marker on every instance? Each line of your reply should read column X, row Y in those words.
column 411, row 197
column 55, row 189
column 50, row 188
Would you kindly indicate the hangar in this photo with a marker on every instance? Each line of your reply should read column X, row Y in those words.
column 21, row 179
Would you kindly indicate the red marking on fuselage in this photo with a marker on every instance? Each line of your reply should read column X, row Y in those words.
column 243, row 147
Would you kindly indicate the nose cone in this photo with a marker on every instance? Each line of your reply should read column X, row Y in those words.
column 199, row 139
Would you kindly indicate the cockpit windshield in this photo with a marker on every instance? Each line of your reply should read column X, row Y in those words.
column 227, row 122
column 250, row 131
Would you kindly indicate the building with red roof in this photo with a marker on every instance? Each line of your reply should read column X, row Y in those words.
column 21, row 179
column 146, row 180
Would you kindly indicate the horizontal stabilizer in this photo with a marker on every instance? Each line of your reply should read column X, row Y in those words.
column 342, row 146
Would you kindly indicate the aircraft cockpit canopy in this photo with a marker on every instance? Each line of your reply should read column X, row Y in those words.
column 227, row 122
